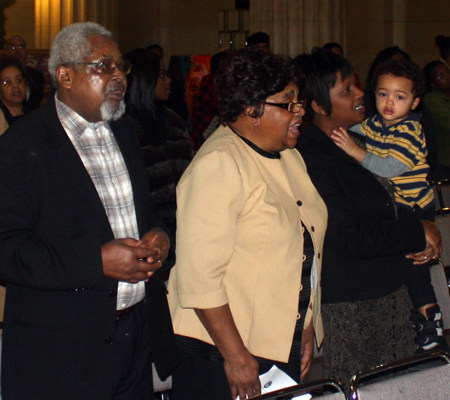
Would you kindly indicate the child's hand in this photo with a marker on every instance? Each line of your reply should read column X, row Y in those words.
column 343, row 140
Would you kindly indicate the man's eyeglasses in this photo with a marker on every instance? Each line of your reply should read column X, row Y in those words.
column 11, row 82
column 443, row 75
column 108, row 66
column 291, row 107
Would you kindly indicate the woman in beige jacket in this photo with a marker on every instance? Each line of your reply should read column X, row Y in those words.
column 245, row 291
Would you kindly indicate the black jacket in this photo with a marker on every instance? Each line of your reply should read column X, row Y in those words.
column 364, row 244
column 56, row 339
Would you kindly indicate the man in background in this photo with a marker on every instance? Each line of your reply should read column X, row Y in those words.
column 259, row 41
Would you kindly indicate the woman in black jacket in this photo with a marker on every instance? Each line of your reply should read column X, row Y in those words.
column 365, row 305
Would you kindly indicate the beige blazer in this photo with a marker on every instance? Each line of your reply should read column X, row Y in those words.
column 240, row 241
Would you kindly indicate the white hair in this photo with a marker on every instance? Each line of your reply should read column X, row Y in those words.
column 72, row 44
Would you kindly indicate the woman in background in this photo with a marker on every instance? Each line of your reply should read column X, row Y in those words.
column 13, row 92
column 163, row 136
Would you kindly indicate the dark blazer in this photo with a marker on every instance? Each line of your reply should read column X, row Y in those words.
column 362, row 256
column 60, row 309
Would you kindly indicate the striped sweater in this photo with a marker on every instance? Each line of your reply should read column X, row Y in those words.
column 405, row 142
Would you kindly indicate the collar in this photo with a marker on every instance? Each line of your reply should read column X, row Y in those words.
column 260, row 151
column 412, row 116
column 73, row 122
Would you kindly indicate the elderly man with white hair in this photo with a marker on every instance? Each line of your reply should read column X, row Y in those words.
column 85, row 313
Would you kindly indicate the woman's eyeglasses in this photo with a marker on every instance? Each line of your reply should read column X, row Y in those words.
column 11, row 82
column 291, row 107
column 107, row 66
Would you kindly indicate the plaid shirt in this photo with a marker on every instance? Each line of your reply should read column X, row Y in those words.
column 101, row 156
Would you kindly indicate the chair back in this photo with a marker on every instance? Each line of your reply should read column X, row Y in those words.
column 425, row 376
column 441, row 196
column 440, row 286
column 325, row 389
column 443, row 224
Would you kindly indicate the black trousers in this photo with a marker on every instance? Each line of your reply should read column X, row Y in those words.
column 133, row 364
column 198, row 378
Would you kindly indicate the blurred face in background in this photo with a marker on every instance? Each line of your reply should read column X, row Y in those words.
column 17, row 47
column 441, row 77
column 12, row 87
column 162, row 91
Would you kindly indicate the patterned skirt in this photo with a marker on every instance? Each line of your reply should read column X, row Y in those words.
column 365, row 334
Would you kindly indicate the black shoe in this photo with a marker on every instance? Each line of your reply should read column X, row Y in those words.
column 430, row 330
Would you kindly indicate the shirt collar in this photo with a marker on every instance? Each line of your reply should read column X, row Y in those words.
column 411, row 117
column 74, row 124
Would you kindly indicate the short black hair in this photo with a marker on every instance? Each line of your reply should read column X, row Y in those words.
column 320, row 70
column 258, row 37
column 216, row 59
column 155, row 49
column 333, row 45
column 246, row 78
column 383, row 56
column 401, row 69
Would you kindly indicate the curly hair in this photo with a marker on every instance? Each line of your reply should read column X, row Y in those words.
column 382, row 56
column 444, row 45
column 401, row 69
column 247, row 78
column 320, row 69
column 72, row 44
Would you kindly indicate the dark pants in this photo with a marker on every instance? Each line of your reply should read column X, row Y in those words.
column 133, row 365
column 197, row 378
